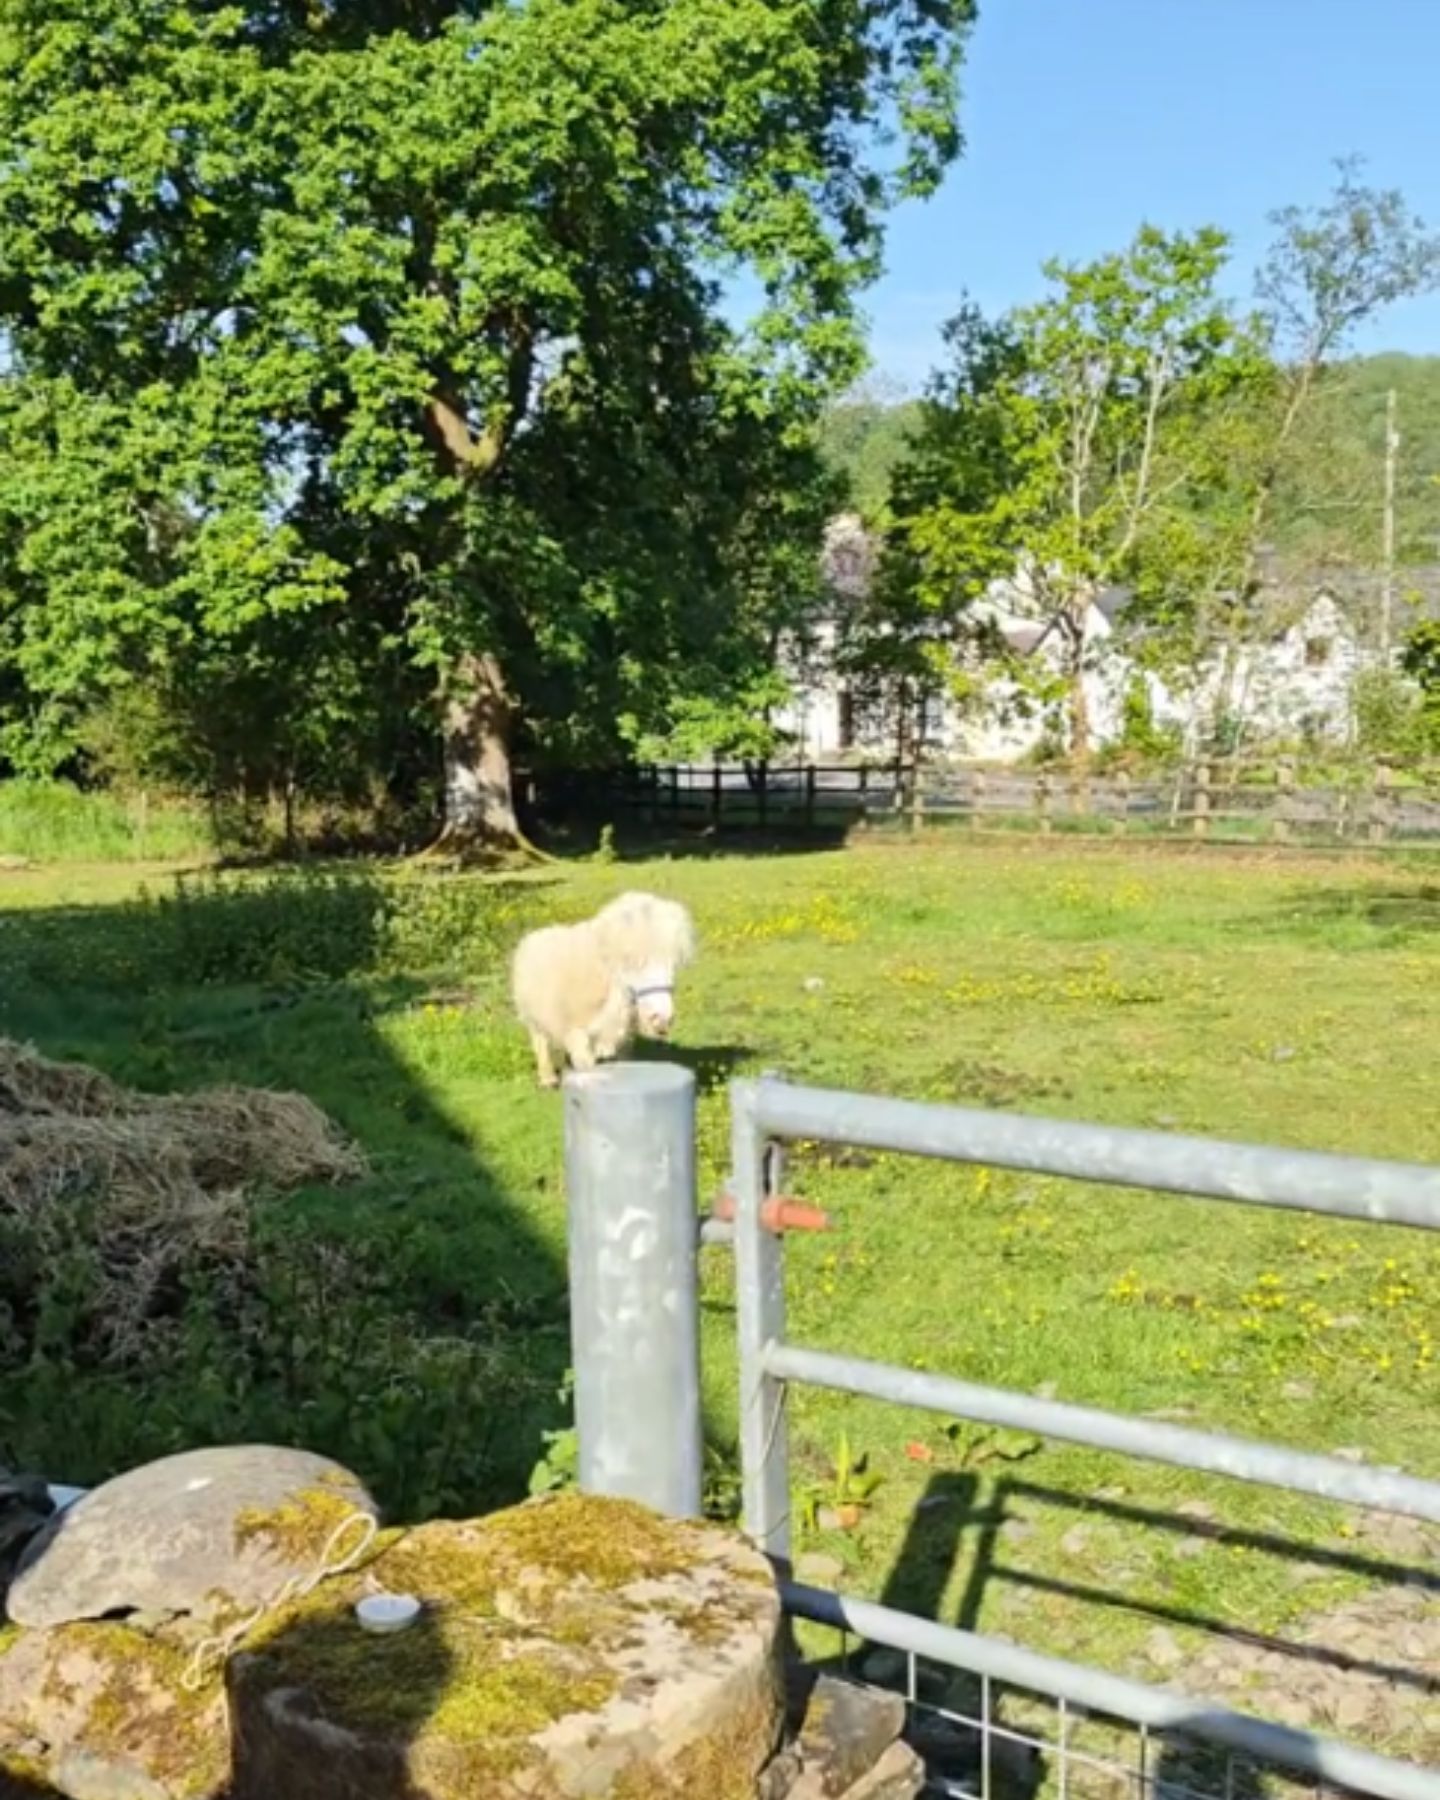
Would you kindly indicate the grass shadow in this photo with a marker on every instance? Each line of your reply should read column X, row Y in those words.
column 1191, row 1768
column 577, row 815
column 415, row 1327
column 713, row 1065
column 1398, row 913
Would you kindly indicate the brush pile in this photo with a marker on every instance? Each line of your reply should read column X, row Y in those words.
column 144, row 1187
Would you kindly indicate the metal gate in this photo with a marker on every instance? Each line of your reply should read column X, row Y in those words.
column 630, row 1163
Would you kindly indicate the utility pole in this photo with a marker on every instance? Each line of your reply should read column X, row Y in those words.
column 1387, row 592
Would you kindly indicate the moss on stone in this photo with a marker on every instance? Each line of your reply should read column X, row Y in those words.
column 476, row 1674
column 578, row 1538
column 301, row 1529
column 523, row 1613
column 462, row 1681
column 530, row 1619
column 143, row 1713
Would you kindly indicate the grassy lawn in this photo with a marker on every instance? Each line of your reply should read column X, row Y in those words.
column 1286, row 1001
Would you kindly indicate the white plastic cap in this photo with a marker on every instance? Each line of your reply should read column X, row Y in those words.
column 387, row 1612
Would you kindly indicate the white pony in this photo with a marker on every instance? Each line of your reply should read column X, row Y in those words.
column 582, row 989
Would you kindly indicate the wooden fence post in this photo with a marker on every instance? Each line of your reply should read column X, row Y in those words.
column 917, row 795
column 810, row 796
column 1042, row 803
column 717, row 796
column 977, row 800
column 1284, row 794
column 1380, row 805
column 762, row 799
column 1200, row 821
column 1122, row 803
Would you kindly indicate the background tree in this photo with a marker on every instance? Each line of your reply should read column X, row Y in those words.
column 399, row 322
column 1420, row 660
column 1331, row 269
column 864, row 440
column 864, row 435
column 909, row 632
column 1043, row 449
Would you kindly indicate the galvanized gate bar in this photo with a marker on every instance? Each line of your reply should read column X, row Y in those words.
column 1243, row 1459
column 1158, row 1709
column 1307, row 1181
column 760, row 1321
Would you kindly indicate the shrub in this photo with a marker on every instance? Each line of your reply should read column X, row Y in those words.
column 1389, row 714
column 300, row 1341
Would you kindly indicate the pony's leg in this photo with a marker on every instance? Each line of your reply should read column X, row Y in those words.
column 577, row 1048
column 544, row 1062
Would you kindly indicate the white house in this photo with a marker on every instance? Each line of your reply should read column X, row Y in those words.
column 1291, row 681
column 1296, row 683
column 834, row 715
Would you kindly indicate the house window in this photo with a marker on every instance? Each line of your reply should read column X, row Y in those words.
column 847, row 720
column 930, row 720
column 1317, row 652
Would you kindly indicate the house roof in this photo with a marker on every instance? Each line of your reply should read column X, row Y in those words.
column 1112, row 601
column 1356, row 591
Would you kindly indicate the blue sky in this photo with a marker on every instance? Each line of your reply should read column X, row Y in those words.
column 1085, row 117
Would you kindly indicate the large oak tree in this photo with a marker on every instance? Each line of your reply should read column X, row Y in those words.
column 346, row 336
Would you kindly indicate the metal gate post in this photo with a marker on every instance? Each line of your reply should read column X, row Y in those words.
column 760, row 1316
column 634, row 1304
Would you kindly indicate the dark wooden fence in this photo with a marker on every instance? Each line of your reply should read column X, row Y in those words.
column 1281, row 801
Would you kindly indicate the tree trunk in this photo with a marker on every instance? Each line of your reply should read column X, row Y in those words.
column 479, row 798
column 1079, row 719
column 1075, row 627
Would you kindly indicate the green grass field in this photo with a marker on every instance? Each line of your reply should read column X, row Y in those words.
column 1286, row 1001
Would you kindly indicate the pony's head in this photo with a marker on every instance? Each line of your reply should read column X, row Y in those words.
column 645, row 941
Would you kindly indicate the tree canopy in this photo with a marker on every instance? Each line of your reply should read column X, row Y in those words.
column 1134, row 427
column 368, row 356
column 1054, row 438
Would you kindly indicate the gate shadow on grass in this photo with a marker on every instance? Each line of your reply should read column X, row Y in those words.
column 1183, row 1767
column 414, row 1326
column 1360, row 1563
column 934, row 1547
column 957, row 1529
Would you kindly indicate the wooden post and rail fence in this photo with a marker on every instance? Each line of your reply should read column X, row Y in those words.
column 1282, row 801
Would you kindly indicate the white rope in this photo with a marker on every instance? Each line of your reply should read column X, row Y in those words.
column 218, row 1648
